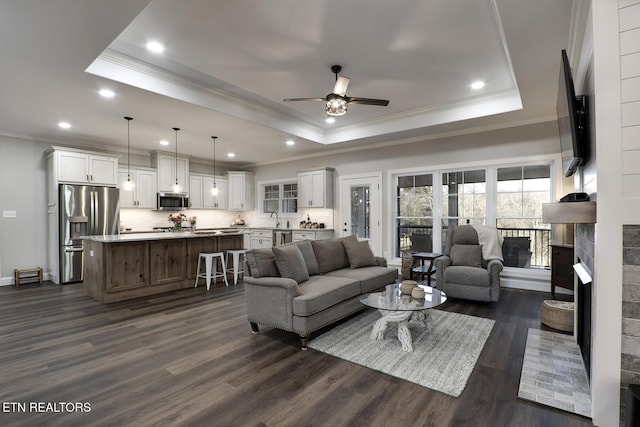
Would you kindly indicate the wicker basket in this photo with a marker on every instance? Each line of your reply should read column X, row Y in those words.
column 407, row 264
column 557, row 315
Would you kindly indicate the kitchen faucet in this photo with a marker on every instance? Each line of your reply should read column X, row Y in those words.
column 277, row 220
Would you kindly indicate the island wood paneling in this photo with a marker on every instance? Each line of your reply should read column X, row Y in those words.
column 194, row 247
column 121, row 270
column 167, row 261
column 127, row 266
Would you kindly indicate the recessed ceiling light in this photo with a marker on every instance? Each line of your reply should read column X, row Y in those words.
column 478, row 84
column 64, row 125
column 291, row 142
column 164, row 142
column 231, row 155
column 155, row 47
column 331, row 120
column 107, row 93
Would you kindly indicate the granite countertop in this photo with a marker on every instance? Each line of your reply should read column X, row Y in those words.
column 132, row 237
column 290, row 229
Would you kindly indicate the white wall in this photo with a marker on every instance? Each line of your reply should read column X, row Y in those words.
column 521, row 142
column 23, row 239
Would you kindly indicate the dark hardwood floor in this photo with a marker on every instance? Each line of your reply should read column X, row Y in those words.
column 188, row 358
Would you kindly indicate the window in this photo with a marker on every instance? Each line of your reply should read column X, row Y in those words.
column 281, row 197
column 521, row 191
column 509, row 198
column 414, row 213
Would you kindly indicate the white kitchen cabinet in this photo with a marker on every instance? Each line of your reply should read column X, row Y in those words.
column 261, row 239
column 315, row 189
column 200, row 196
column 195, row 192
column 311, row 234
column 72, row 166
column 144, row 193
column 241, row 190
column 85, row 168
column 219, row 201
column 167, row 165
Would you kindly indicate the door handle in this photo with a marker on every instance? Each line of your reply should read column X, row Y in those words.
column 73, row 249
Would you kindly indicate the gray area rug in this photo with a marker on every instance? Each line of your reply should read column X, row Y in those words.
column 553, row 373
column 444, row 354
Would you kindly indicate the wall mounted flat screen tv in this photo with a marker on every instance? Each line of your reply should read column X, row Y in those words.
column 572, row 121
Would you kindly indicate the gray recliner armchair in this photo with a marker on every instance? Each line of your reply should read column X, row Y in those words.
column 463, row 271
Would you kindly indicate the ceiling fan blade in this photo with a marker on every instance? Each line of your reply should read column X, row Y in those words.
column 340, row 88
column 303, row 99
column 367, row 101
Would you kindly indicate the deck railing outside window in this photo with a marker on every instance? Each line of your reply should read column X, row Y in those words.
column 523, row 247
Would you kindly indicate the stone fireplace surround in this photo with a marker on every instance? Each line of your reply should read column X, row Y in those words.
column 630, row 357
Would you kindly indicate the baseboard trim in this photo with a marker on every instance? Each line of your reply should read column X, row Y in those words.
column 9, row 281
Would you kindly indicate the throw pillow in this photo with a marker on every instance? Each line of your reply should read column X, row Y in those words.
column 261, row 263
column 291, row 263
column 469, row 255
column 330, row 254
column 359, row 254
column 309, row 256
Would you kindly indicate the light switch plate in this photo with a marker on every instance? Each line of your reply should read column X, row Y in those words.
column 9, row 214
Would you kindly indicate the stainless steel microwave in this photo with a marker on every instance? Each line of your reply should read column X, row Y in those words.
column 172, row 201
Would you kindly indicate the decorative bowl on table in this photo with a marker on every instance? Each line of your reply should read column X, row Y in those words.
column 406, row 286
column 417, row 292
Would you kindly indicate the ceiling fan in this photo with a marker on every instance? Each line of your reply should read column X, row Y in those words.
column 337, row 101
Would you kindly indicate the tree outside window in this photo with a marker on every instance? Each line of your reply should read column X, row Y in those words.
column 414, row 213
column 521, row 191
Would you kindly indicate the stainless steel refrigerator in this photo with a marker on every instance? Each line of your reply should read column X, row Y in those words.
column 84, row 211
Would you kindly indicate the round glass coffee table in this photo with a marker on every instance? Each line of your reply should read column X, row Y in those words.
column 402, row 309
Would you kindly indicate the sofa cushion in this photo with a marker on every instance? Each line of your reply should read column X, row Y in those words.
column 359, row 253
column 470, row 255
column 291, row 263
column 331, row 254
column 465, row 275
column 321, row 292
column 262, row 263
column 309, row 256
column 370, row 278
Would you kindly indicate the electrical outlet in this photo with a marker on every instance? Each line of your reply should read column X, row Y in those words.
column 91, row 253
column 9, row 214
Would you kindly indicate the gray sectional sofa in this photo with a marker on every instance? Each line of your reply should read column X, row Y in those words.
column 303, row 286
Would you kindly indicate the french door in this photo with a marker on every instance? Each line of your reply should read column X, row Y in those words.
column 360, row 209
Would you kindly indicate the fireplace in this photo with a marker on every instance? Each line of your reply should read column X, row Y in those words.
column 583, row 307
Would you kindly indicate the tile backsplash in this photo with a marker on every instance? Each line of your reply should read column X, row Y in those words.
column 142, row 220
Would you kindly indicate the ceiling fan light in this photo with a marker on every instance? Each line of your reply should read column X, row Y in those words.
column 336, row 105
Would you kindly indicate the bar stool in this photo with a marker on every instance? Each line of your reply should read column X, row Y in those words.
column 211, row 263
column 236, row 266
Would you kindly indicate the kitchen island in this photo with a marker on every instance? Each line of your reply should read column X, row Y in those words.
column 121, row 267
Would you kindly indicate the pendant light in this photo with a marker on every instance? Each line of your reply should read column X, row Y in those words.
column 177, row 188
column 214, row 190
column 128, row 185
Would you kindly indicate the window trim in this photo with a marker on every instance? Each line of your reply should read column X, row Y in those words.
column 553, row 160
column 279, row 182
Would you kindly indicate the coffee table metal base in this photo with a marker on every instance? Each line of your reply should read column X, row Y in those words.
column 403, row 319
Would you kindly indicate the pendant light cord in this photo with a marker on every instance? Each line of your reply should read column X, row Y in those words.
column 176, row 158
column 214, row 160
column 128, row 119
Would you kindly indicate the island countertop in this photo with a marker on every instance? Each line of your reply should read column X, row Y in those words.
column 121, row 267
column 161, row 235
